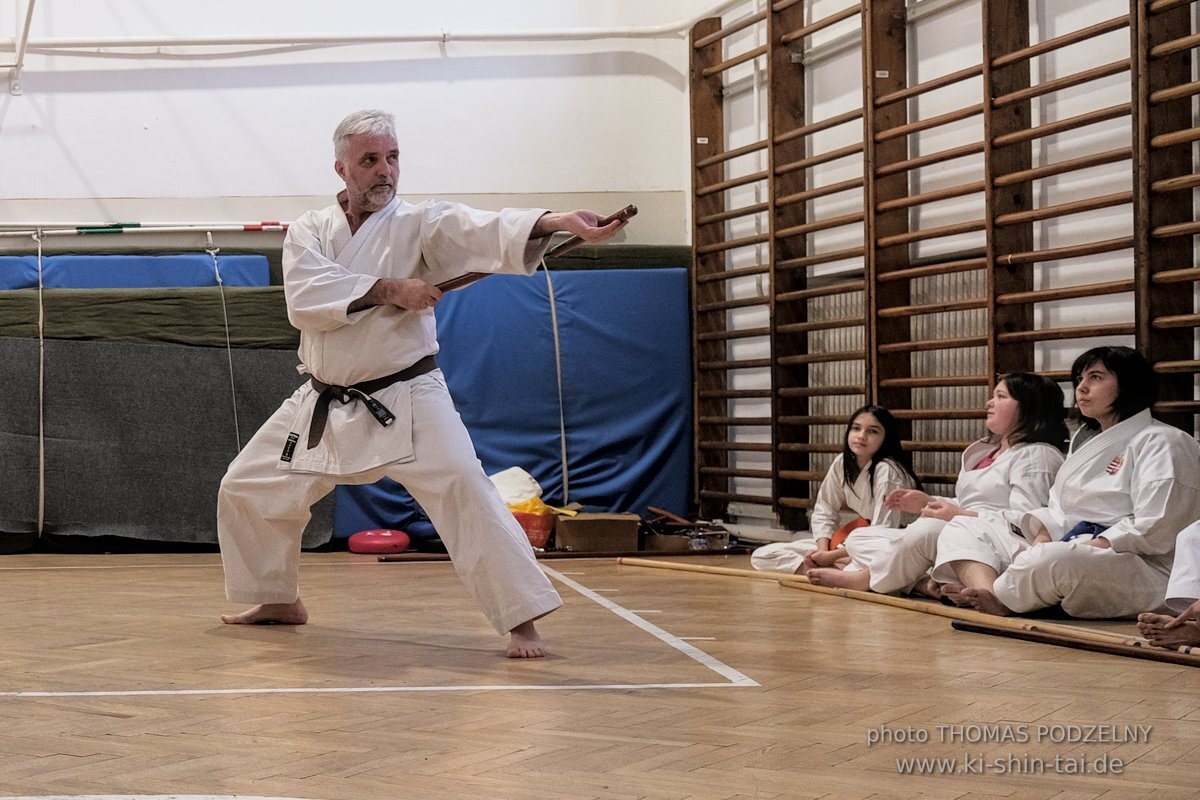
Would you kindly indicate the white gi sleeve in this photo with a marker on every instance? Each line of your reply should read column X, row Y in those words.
column 1163, row 488
column 889, row 476
column 825, row 514
column 1031, row 474
column 457, row 239
column 318, row 290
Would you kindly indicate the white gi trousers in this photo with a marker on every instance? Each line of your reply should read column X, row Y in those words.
column 1090, row 582
column 262, row 511
column 1183, row 588
column 897, row 557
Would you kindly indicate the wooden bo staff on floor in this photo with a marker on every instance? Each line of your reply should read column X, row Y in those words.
column 924, row 606
column 1115, row 648
column 624, row 215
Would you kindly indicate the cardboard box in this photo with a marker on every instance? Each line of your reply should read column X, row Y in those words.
column 687, row 541
column 612, row 533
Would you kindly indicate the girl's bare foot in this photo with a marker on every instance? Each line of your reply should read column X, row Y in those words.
column 270, row 613
column 928, row 587
column 524, row 642
column 1153, row 627
column 840, row 579
column 986, row 601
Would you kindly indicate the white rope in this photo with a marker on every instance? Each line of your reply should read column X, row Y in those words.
column 41, row 323
column 213, row 251
column 562, row 419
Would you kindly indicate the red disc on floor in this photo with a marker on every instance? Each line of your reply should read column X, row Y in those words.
column 379, row 541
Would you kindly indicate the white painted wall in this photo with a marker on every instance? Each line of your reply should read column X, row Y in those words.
column 204, row 134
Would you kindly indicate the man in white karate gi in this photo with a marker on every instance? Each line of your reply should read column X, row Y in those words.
column 360, row 286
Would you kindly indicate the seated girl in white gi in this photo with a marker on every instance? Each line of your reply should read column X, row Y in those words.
column 1103, row 545
column 871, row 466
column 1012, row 467
column 1183, row 597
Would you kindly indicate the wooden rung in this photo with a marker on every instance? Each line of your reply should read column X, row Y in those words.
column 1180, row 45
column 1071, row 251
column 933, row 158
column 729, row 472
column 897, row 312
column 1179, row 229
column 732, row 183
column 820, row 258
column 1159, row 6
column 734, row 394
column 1066, row 209
column 731, row 274
column 926, row 383
column 1178, row 276
column 931, row 233
column 824, row 325
column 1176, row 184
column 726, row 305
column 749, row 363
column 801, row 475
column 729, row 155
column 737, row 447
column 938, row 477
column 827, row 290
column 1066, row 293
column 809, row 447
column 820, row 191
column 935, row 447
column 1064, row 125
column 1175, row 137
column 724, row 336
column 933, row 344
column 1058, row 334
column 821, row 358
column 928, row 270
column 730, row 29
column 732, row 244
column 932, row 122
column 822, row 158
column 734, row 213
column 929, row 86
column 1173, row 367
column 1177, row 406
column 749, row 421
column 820, row 225
column 1177, row 321
column 939, row 413
column 796, row 502
column 1058, row 84
column 1175, row 92
column 728, row 64
column 752, row 499
column 932, row 197
column 805, row 421
column 818, row 126
column 1083, row 34
column 1061, row 167
column 821, row 391
column 821, row 24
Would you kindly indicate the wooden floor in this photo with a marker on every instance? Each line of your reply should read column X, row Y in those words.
column 118, row 679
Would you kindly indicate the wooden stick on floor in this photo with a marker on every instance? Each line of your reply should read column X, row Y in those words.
column 923, row 606
column 1129, row 651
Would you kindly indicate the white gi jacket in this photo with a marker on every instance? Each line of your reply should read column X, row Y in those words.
column 864, row 498
column 1019, row 478
column 325, row 268
column 1141, row 477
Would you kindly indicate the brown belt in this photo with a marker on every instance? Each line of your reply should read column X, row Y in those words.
column 361, row 391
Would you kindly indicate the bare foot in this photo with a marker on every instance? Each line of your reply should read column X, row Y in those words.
column 827, row 558
column 270, row 613
column 840, row 579
column 524, row 642
column 986, row 601
column 953, row 593
column 1153, row 627
column 928, row 587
